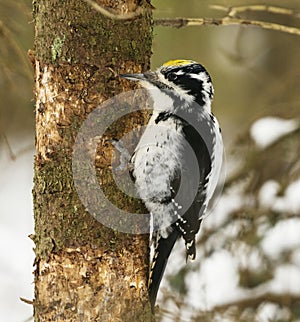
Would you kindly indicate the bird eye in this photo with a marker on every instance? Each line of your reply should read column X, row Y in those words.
column 172, row 76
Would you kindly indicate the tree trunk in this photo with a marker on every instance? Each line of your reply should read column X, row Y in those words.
column 84, row 270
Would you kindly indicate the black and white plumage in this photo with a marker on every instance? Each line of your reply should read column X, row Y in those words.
column 177, row 162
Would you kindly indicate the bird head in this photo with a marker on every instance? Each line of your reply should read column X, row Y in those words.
column 185, row 80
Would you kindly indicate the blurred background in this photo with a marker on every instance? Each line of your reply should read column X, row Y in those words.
column 248, row 261
column 16, row 160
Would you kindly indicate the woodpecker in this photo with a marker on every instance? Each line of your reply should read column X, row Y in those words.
column 177, row 162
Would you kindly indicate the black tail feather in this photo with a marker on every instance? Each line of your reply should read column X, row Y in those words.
column 161, row 254
column 190, row 247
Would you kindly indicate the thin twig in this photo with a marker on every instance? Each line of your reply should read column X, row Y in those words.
column 5, row 32
column 243, row 172
column 227, row 21
column 9, row 149
column 256, row 297
column 12, row 155
column 31, row 302
column 114, row 15
column 233, row 11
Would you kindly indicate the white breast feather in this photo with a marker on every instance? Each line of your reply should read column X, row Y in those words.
column 156, row 159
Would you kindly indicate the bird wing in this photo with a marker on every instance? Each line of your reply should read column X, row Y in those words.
column 189, row 199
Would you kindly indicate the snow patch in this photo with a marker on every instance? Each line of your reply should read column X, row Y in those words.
column 284, row 236
column 267, row 130
column 16, row 223
column 289, row 202
column 217, row 276
column 271, row 312
column 228, row 203
column 286, row 280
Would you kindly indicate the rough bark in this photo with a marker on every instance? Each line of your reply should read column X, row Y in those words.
column 84, row 270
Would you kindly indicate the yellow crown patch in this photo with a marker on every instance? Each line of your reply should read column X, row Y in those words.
column 177, row 62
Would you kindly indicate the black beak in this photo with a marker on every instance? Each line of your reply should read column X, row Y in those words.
column 134, row 77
